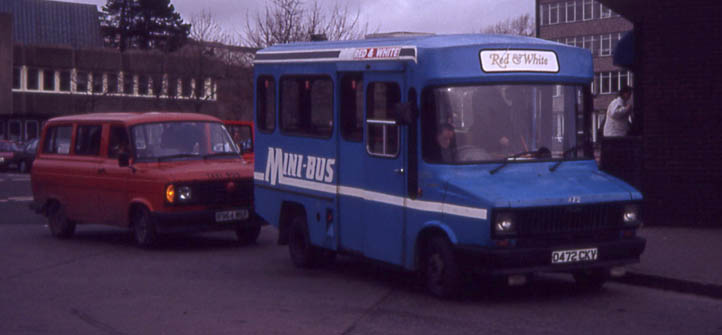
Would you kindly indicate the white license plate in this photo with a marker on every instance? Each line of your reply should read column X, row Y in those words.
column 234, row 215
column 574, row 256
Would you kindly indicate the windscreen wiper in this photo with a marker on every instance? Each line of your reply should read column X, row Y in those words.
column 564, row 155
column 162, row 158
column 542, row 152
column 218, row 154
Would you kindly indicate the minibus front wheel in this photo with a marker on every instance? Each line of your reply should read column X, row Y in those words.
column 441, row 270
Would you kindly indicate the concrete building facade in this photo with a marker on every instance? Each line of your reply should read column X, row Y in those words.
column 50, row 74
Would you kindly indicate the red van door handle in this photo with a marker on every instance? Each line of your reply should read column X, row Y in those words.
column 101, row 171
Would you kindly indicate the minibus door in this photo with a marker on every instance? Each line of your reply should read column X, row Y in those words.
column 384, row 184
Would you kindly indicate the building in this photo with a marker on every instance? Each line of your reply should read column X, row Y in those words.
column 49, row 67
column 592, row 25
column 676, row 55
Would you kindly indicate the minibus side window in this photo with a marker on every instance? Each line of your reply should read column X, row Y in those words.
column 307, row 106
column 352, row 114
column 57, row 140
column 266, row 104
column 87, row 141
column 383, row 133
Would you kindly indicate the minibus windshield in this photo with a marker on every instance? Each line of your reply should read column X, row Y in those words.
column 182, row 140
column 484, row 123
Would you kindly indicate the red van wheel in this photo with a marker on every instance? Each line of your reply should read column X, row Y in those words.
column 58, row 223
column 144, row 228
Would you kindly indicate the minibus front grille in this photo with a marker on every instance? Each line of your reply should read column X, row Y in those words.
column 224, row 192
column 580, row 219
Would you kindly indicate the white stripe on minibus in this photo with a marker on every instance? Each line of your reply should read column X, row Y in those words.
column 427, row 206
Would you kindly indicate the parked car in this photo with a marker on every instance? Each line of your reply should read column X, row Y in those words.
column 8, row 151
column 242, row 133
column 154, row 173
column 25, row 156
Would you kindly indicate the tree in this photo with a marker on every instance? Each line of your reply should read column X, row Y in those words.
column 143, row 24
column 284, row 21
column 522, row 25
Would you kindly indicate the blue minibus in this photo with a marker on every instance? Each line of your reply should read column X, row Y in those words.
column 442, row 154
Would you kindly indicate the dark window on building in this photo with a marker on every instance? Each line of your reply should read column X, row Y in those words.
column 97, row 82
column 352, row 114
column 118, row 141
column 128, row 85
column 382, row 137
column 81, row 82
column 186, row 87
column 48, row 80
column 588, row 9
column 57, row 140
column 266, row 103
column 307, row 105
column 32, row 129
column 15, row 130
column 112, row 83
column 199, row 89
column 65, row 81
column 157, row 84
column 143, row 84
column 554, row 13
column 17, row 77
column 87, row 141
column 172, row 87
column 33, row 79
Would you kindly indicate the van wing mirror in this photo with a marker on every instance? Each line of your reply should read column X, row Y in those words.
column 405, row 113
column 123, row 159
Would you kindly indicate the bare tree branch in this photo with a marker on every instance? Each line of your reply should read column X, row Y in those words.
column 521, row 25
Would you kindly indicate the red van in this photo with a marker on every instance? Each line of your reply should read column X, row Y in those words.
column 243, row 136
column 154, row 173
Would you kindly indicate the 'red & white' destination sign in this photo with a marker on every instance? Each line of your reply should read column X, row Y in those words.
column 519, row 61
column 377, row 53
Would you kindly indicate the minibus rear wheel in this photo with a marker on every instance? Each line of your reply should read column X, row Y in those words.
column 143, row 227
column 58, row 223
column 441, row 270
column 300, row 249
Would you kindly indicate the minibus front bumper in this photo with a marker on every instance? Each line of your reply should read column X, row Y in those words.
column 508, row 261
column 200, row 221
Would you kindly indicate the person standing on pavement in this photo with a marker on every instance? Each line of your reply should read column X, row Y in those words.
column 619, row 112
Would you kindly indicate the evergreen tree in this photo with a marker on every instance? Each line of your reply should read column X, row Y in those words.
column 143, row 24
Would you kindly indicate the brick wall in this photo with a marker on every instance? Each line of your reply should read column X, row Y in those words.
column 679, row 57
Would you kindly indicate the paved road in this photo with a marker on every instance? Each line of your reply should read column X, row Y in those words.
column 100, row 283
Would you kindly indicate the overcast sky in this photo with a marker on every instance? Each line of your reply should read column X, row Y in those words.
column 434, row 16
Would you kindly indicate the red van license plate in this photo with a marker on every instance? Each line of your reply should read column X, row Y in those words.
column 573, row 256
column 234, row 215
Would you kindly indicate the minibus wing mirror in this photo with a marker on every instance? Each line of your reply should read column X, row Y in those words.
column 405, row 113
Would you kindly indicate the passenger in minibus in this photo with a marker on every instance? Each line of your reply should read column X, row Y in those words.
column 446, row 140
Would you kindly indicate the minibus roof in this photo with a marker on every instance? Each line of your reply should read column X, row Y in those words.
column 436, row 56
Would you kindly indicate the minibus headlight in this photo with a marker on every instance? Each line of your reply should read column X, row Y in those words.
column 184, row 193
column 170, row 193
column 504, row 224
column 631, row 215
